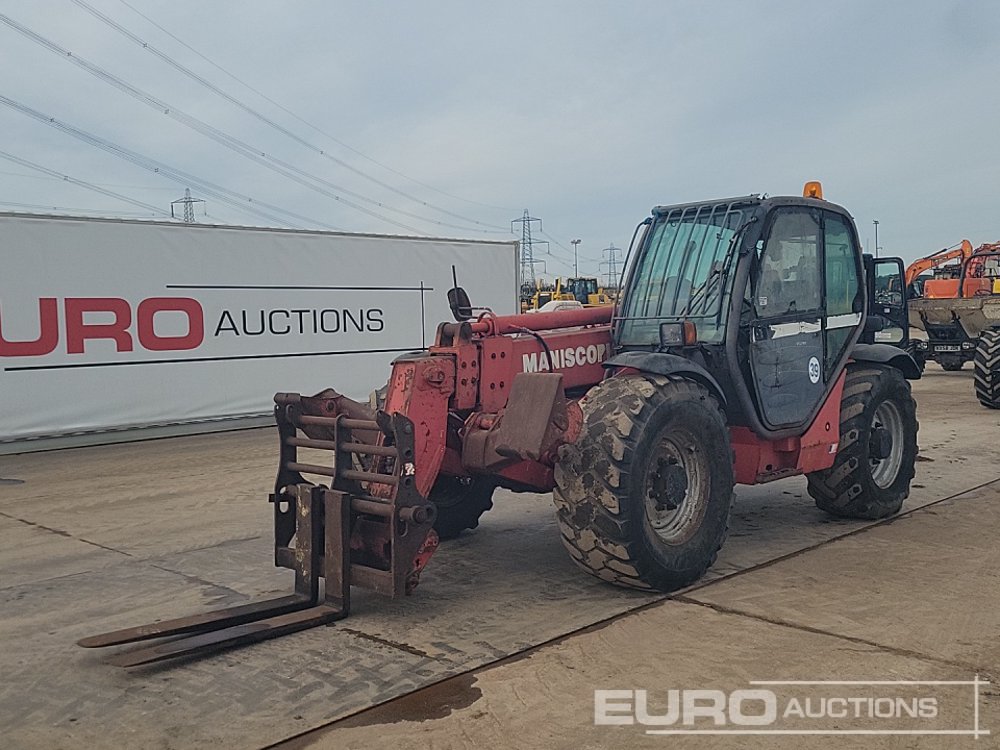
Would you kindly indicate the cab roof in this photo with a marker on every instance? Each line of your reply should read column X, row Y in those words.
column 754, row 199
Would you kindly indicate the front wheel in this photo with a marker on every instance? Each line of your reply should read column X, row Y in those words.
column 643, row 495
column 871, row 475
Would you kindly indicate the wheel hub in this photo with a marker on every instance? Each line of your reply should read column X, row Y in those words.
column 885, row 444
column 668, row 485
column 880, row 443
column 675, row 489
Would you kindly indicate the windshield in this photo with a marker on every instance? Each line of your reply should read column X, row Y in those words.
column 581, row 288
column 682, row 273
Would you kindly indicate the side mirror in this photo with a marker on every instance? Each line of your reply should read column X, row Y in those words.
column 461, row 306
column 874, row 324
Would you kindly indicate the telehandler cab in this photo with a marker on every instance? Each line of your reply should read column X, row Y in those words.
column 732, row 356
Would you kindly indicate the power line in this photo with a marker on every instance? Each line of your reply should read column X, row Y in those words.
column 300, row 119
column 244, row 203
column 246, row 150
column 67, row 209
column 263, row 118
column 234, row 144
column 568, row 260
column 557, row 242
column 101, row 184
column 567, row 264
column 89, row 186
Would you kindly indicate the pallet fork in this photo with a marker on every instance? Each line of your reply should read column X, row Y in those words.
column 370, row 528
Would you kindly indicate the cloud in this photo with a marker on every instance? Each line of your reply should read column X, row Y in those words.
column 586, row 113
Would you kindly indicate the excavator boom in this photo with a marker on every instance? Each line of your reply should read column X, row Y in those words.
column 935, row 260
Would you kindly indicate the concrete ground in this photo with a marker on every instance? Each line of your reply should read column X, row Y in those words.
column 504, row 642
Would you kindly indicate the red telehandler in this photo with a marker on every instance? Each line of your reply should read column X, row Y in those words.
column 735, row 354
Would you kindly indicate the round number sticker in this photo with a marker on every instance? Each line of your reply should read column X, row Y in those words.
column 814, row 369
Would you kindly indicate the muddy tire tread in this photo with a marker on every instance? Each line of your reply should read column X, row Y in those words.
column 844, row 490
column 593, row 478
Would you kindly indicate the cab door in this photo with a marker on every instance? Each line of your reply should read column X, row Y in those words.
column 807, row 310
column 888, row 300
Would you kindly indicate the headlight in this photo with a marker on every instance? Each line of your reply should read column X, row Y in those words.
column 678, row 334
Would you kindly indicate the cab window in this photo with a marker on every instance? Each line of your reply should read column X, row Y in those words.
column 843, row 288
column 789, row 280
column 842, row 283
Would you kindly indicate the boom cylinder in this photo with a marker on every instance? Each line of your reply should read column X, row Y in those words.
column 546, row 321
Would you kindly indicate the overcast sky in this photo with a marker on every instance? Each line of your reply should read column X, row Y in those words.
column 585, row 113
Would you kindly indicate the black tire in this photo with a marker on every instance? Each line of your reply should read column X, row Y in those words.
column 648, row 441
column 987, row 365
column 951, row 362
column 860, row 484
column 460, row 502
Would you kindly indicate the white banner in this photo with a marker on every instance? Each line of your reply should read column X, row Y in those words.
column 112, row 324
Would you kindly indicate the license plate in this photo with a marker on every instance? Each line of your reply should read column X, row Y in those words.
column 947, row 348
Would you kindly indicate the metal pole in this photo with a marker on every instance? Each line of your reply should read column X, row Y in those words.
column 875, row 222
column 576, row 263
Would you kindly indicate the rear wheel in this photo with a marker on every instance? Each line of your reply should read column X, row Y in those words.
column 871, row 475
column 643, row 495
column 460, row 501
column 951, row 362
column 987, row 363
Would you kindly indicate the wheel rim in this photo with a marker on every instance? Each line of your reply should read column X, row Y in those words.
column 675, row 490
column 888, row 420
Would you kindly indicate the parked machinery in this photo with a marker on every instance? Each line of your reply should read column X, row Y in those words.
column 535, row 298
column 734, row 356
column 945, row 263
column 958, row 309
column 584, row 289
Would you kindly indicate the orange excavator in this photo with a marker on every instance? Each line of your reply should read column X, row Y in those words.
column 976, row 276
column 938, row 262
